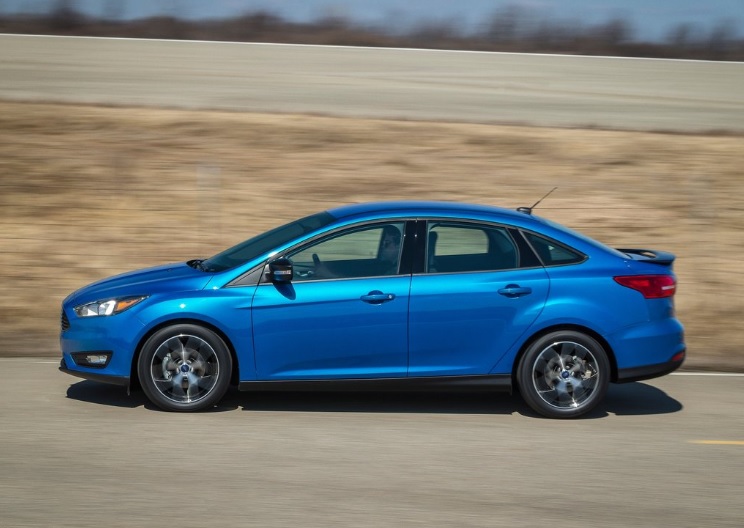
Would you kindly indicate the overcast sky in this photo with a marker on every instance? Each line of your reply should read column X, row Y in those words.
column 651, row 19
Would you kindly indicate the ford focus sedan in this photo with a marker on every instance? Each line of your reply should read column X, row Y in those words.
column 393, row 295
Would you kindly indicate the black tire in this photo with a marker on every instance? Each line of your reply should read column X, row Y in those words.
column 184, row 367
column 564, row 374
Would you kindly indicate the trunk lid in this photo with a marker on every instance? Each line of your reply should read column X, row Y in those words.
column 651, row 256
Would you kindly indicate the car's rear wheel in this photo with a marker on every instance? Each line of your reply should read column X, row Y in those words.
column 184, row 368
column 564, row 374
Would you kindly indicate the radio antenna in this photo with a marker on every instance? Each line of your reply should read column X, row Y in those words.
column 528, row 210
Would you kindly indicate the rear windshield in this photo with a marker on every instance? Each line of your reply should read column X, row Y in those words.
column 263, row 243
column 584, row 238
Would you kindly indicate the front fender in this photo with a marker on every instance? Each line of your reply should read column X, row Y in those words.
column 228, row 310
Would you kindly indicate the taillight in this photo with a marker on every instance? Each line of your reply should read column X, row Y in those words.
column 651, row 286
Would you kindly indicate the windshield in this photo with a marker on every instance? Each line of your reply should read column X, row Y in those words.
column 258, row 245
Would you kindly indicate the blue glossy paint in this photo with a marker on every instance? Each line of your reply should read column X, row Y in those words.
column 443, row 324
column 460, row 324
column 323, row 329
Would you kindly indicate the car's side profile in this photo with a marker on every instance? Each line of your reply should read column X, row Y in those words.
column 386, row 295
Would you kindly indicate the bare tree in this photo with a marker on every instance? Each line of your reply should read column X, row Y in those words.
column 722, row 39
column 507, row 24
column 65, row 16
column 614, row 33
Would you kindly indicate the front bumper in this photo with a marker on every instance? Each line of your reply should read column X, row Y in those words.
column 122, row 381
column 114, row 335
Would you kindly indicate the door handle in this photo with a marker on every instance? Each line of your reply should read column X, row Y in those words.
column 515, row 290
column 377, row 297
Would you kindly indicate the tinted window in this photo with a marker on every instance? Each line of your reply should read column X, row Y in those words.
column 257, row 246
column 553, row 253
column 453, row 247
column 365, row 252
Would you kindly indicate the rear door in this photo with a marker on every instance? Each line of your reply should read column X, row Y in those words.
column 480, row 291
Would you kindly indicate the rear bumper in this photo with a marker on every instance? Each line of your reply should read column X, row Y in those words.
column 649, row 371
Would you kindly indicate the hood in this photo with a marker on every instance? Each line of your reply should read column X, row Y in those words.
column 170, row 277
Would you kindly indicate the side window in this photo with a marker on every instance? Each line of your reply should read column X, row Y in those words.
column 551, row 252
column 363, row 252
column 453, row 247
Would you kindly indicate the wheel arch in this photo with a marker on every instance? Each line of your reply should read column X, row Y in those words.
column 572, row 327
column 134, row 376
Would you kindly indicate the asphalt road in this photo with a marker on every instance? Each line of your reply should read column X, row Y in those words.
column 372, row 82
column 76, row 453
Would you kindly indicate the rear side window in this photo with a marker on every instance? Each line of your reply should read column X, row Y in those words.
column 553, row 253
column 455, row 248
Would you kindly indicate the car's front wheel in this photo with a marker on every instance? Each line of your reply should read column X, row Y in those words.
column 564, row 374
column 184, row 368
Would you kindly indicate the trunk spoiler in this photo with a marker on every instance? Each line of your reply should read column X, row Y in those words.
column 649, row 255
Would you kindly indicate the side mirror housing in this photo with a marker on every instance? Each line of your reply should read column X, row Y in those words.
column 281, row 271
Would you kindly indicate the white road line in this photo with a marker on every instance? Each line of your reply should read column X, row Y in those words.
column 369, row 48
column 721, row 374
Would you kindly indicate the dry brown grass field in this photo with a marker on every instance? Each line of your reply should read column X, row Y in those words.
column 87, row 192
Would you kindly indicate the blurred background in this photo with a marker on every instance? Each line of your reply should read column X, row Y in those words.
column 682, row 29
column 109, row 169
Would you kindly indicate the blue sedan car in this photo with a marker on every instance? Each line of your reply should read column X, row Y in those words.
column 386, row 295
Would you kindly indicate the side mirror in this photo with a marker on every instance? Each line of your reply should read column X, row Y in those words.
column 280, row 270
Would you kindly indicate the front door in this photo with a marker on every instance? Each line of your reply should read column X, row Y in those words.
column 344, row 315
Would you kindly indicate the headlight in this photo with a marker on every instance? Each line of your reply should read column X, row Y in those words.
column 107, row 307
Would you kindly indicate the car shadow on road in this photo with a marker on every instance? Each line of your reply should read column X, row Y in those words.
column 637, row 399
column 632, row 399
column 106, row 394
column 291, row 401
column 379, row 402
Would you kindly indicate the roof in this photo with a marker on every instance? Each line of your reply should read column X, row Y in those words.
column 421, row 207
